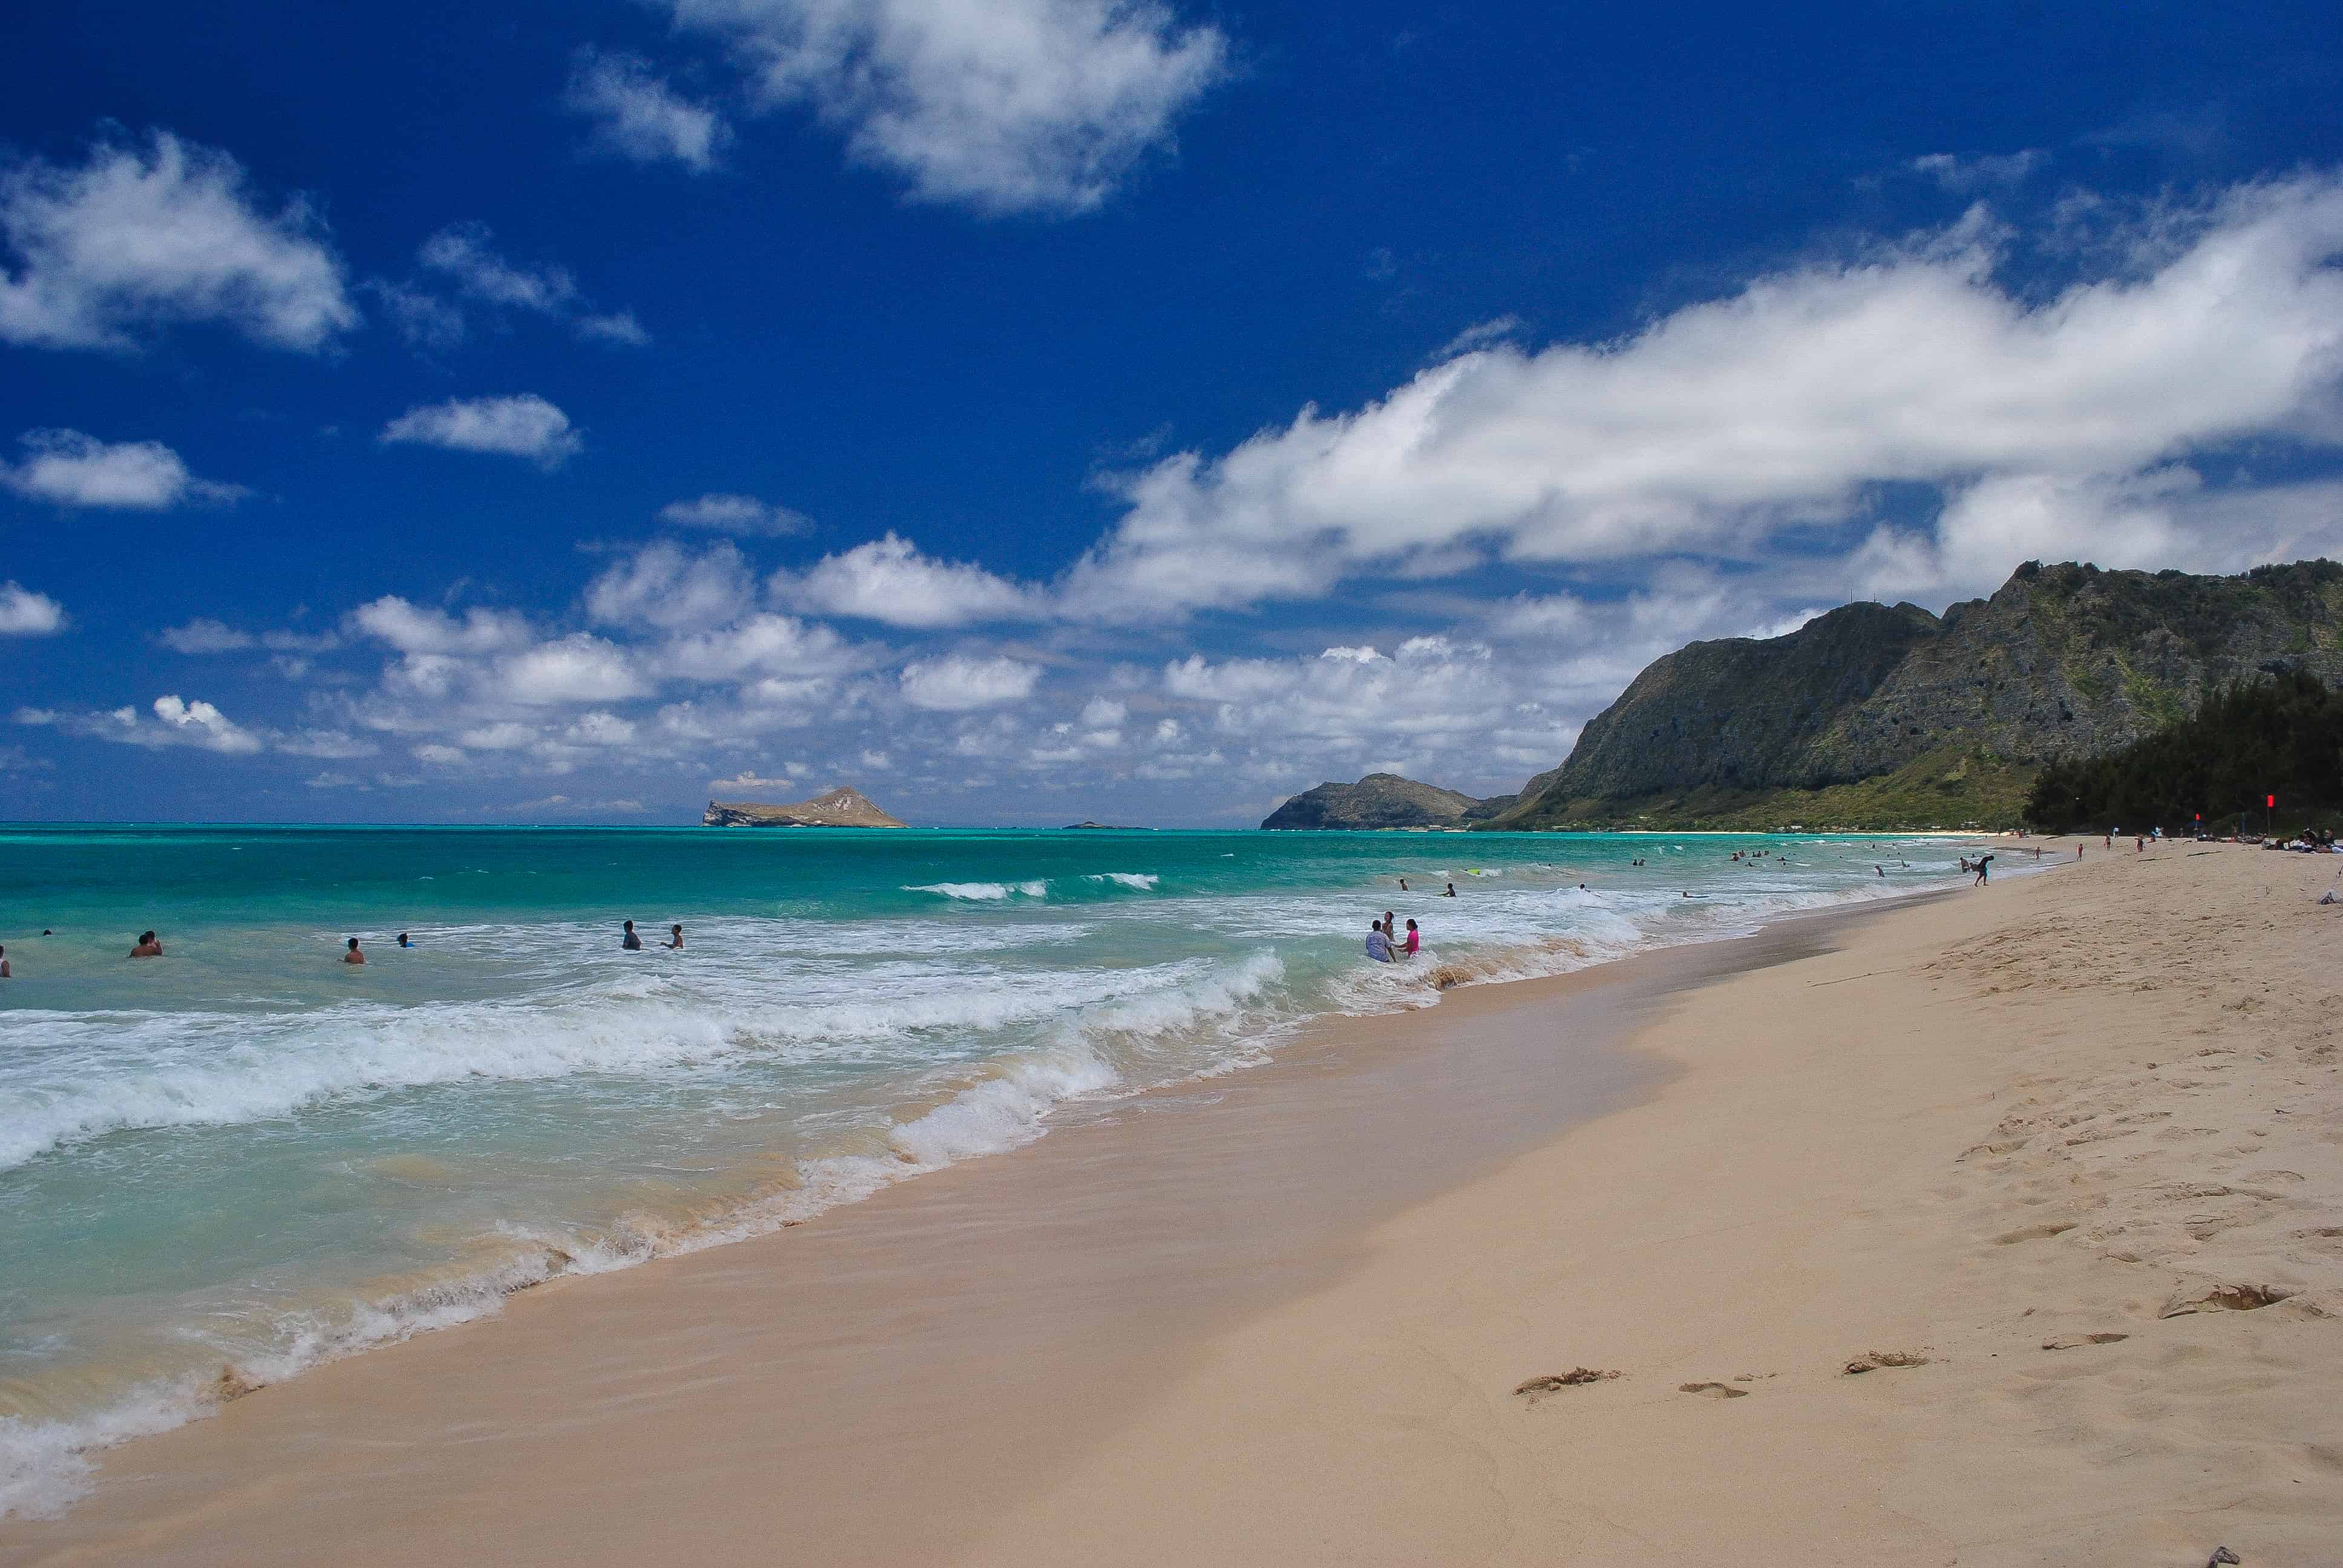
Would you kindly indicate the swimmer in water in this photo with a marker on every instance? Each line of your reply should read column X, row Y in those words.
column 676, row 932
column 1402, row 884
column 352, row 955
column 631, row 942
column 4, row 964
column 1451, row 892
column 403, row 941
column 149, row 946
column 1414, row 941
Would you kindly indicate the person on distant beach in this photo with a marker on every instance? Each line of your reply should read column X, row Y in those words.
column 403, row 941
column 1414, row 941
column 676, row 932
column 149, row 947
column 2139, row 846
column 1984, row 864
column 352, row 955
column 1451, row 892
column 1379, row 946
column 631, row 942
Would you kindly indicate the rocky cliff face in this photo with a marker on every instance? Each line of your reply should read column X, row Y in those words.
column 844, row 808
column 1381, row 801
column 2062, row 661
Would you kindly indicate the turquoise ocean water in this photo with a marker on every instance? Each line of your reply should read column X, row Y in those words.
column 248, row 1155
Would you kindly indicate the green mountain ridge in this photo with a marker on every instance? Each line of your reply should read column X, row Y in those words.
column 1877, row 715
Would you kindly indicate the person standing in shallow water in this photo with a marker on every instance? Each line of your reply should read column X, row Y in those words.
column 351, row 955
column 631, row 942
column 149, row 946
column 1414, row 941
column 4, row 964
column 677, row 933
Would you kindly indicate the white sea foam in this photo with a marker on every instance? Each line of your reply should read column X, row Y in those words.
column 984, row 893
column 86, row 1076
column 1141, row 881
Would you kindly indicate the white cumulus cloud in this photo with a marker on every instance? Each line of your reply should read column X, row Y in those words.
column 24, row 613
column 414, row 629
column 663, row 585
column 1725, row 424
column 639, row 115
column 1015, row 105
column 138, row 237
column 524, row 426
column 957, row 683
column 743, row 515
column 466, row 255
column 69, row 468
column 173, row 721
column 887, row 580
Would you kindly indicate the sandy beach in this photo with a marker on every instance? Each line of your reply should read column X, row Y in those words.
column 2003, row 1227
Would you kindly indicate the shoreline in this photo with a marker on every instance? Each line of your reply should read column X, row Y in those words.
column 1338, row 1047
column 462, row 1295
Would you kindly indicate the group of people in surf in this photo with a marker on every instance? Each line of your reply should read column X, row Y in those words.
column 1385, row 947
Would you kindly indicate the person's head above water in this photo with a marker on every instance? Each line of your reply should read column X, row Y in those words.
column 354, row 944
column 630, row 925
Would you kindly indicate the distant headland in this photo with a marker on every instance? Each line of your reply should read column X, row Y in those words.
column 842, row 808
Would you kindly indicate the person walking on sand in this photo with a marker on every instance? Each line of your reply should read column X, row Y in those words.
column 352, row 955
column 676, row 931
column 1414, row 943
column 631, row 942
column 148, row 947
column 1379, row 946
column 1985, row 863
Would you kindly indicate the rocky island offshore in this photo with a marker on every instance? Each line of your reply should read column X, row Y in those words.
column 842, row 808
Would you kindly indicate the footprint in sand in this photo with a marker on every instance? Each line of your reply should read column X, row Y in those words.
column 1537, row 1388
column 2076, row 1342
column 1713, row 1390
column 1878, row 1359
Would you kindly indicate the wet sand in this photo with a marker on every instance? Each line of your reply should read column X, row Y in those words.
column 2058, row 1163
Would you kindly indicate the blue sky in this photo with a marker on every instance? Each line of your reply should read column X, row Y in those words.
column 1056, row 409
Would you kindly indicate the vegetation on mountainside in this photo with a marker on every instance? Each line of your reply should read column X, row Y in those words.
column 1886, row 716
column 1954, row 785
column 2281, row 735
